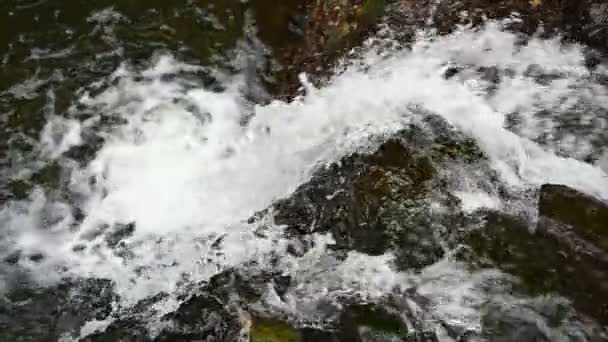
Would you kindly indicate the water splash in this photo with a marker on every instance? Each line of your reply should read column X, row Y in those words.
column 168, row 194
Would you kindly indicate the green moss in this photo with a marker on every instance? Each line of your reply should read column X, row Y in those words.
column 266, row 330
column 372, row 9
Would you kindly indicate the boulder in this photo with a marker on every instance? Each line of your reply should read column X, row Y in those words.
column 371, row 203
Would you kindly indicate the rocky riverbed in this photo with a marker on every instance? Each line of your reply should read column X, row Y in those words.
column 169, row 175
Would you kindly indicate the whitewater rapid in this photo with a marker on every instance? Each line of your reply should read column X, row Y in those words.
column 181, row 165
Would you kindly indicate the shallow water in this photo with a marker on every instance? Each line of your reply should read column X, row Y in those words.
column 134, row 150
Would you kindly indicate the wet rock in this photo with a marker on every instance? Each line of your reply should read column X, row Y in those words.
column 129, row 330
column 213, row 313
column 356, row 323
column 237, row 286
column 309, row 36
column 531, row 15
column 281, row 22
column 202, row 317
column 46, row 314
column 594, row 31
column 383, row 200
column 586, row 215
column 129, row 324
column 540, row 319
column 371, row 323
column 550, row 259
column 370, row 203
column 120, row 232
column 13, row 258
column 335, row 24
column 582, row 20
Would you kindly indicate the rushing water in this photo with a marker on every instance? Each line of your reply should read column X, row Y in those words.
column 136, row 154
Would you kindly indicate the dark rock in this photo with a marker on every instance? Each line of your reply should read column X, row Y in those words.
column 451, row 72
column 357, row 323
column 546, row 260
column 531, row 13
column 370, row 203
column 308, row 36
column 211, row 314
column 36, row 257
column 202, row 317
column 129, row 330
column 281, row 22
column 586, row 215
column 371, row 323
column 13, row 258
column 247, row 287
column 119, row 233
column 380, row 201
column 582, row 20
column 504, row 326
column 45, row 314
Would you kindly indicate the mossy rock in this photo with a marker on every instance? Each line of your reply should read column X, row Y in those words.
column 268, row 330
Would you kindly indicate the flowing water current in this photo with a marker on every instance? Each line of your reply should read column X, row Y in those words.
column 176, row 153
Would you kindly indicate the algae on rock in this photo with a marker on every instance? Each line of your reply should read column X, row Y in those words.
column 268, row 330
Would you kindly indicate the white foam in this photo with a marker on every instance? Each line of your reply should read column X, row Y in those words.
column 59, row 135
column 472, row 201
column 186, row 172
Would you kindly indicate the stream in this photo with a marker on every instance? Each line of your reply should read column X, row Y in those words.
column 154, row 188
